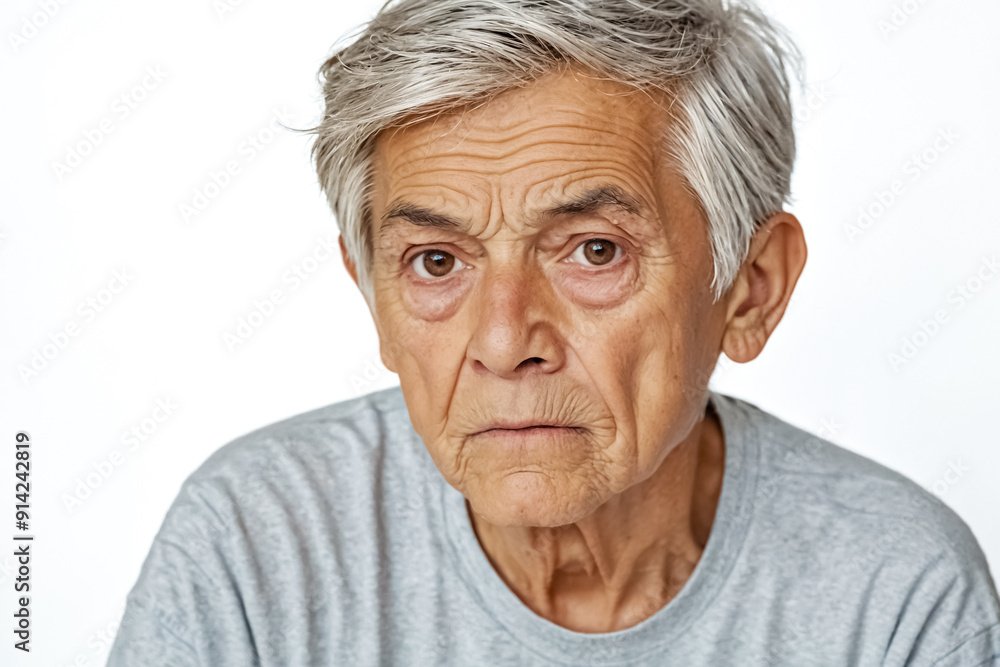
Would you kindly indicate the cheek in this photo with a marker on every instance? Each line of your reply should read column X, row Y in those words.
column 646, row 359
column 636, row 337
column 672, row 372
column 426, row 372
column 410, row 313
column 598, row 290
column 435, row 303
column 427, row 353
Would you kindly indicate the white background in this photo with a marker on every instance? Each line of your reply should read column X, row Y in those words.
column 876, row 100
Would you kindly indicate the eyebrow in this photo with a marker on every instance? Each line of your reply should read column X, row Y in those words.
column 595, row 199
column 417, row 215
column 590, row 201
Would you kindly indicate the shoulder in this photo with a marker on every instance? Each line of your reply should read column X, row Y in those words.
column 854, row 525
column 818, row 475
column 265, row 517
column 349, row 430
column 324, row 462
column 335, row 443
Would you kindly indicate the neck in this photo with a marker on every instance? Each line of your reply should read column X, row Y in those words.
column 625, row 561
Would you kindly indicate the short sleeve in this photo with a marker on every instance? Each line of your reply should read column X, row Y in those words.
column 185, row 610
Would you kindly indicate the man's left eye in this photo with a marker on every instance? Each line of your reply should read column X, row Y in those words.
column 596, row 252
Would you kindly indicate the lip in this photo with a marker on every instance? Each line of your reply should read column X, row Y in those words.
column 521, row 426
column 530, row 438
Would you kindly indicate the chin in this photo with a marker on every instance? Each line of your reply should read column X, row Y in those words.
column 533, row 499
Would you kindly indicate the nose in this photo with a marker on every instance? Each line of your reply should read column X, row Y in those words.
column 515, row 327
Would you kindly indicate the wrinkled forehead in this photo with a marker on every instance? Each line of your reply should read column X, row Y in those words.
column 565, row 117
column 532, row 148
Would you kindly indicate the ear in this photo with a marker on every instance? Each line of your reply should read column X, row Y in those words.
column 763, row 287
column 351, row 269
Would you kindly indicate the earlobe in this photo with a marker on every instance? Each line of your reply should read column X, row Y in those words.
column 386, row 350
column 764, row 286
column 351, row 269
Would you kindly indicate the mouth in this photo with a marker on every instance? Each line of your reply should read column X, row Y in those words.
column 531, row 438
column 525, row 427
column 525, row 437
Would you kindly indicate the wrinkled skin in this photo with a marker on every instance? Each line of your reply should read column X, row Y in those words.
column 496, row 301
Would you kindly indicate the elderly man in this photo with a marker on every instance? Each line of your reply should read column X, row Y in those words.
column 560, row 213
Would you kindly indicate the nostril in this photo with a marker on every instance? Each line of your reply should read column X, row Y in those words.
column 535, row 361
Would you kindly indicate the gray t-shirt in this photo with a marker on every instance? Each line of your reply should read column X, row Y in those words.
column 331, row 539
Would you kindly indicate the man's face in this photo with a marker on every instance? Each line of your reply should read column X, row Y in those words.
column 538, row 262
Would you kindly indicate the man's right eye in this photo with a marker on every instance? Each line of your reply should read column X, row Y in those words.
column 434, row 264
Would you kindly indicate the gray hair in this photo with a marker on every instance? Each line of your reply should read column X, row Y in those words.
column 724, row 63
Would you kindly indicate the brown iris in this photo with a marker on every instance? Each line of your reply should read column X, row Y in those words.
column 438, row 263
column 599, row 251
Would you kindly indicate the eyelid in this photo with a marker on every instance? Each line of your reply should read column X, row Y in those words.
column 413, row 251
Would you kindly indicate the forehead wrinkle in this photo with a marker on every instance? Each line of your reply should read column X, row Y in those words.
column 490, row 121
column 497, row 167
column 408, row 162
column 492, row 190
column 495, row 135
column 626, row 158
column 440, row 192
column 508, row 111
column 622, row 142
